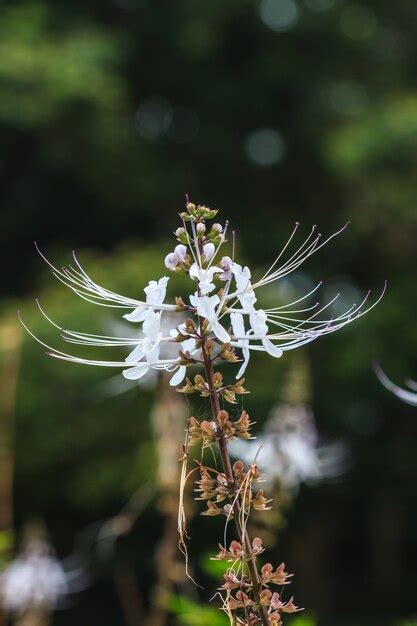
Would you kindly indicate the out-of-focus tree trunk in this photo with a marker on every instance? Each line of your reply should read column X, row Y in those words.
column 35, row 617
column 386, row 542
column 129, row 595
column 10, row 347
column 168, row 421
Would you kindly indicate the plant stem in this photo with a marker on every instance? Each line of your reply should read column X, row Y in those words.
column 228, row 470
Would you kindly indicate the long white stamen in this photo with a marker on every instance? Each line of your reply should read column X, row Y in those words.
column 282, row 251
column 298, row 257
column 87, row 289
column 285, row 306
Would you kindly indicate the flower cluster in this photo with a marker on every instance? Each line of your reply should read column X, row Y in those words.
column 214, row 488
column 223, row 307
column 207, row 431
column 238, row 586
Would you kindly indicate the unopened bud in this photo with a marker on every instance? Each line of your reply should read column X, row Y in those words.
column 216, row 229
column 181, row 235
column 201, row 229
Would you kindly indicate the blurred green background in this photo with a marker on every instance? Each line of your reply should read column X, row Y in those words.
column 272, row 111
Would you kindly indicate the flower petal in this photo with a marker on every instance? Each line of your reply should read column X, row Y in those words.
column 136, row 355
column 246, row 357
column 271, row 348
column 180, row 251
column 171, row 261
column 134, row 373
column 179, row 376
column 237, row 324
column 138, row 315
column 220, row 332
column 208, row 250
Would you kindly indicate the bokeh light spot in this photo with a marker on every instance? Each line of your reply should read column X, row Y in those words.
column 348, row 98
column 153, row 117
column 265, row 147
column 279, row 15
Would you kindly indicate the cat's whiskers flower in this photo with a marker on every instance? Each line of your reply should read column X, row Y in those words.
column 274, row 330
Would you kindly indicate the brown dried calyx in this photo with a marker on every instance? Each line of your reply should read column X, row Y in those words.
column 278, row 576
column 237, row 551
column 201, row 386
column 271, row 601
column 207, row 432
column 214, row 488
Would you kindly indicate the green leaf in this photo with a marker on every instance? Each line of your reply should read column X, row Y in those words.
column 191, row 614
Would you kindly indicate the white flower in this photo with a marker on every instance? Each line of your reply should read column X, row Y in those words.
column 289, row 450
column 155, row 295
column 238, row 326
column 148, row 348
column 204, row 277
column 189, row 345
column 173, row 258
column 35, row 579
column 260, row 329
column 208, row 251
column 244, row 289
column 206, row 307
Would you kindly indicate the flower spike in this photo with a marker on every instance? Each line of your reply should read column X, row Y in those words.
column 224, row 324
